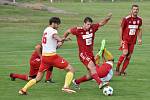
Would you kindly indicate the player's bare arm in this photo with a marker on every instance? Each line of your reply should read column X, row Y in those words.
column 139, row 36
column 38, row 49
column 121, row 31
column 59, row 39
column 66, row 34
column 120, row 36
column 105, row 20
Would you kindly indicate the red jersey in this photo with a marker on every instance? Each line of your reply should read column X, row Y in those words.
column 35, row 60
column 85, row 38
column 103, row 70
column 130, row 27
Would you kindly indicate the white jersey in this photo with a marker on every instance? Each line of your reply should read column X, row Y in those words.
column 49, row 44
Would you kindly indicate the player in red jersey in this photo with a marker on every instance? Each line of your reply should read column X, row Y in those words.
column 35, row 61
column 85, row 38
column 130, row 31
column 104, row 71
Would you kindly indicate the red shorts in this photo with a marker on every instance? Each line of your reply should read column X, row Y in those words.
column 103, row 70
column 34, row 67
column 55, row 60
column 85, row 58
column 127, row 46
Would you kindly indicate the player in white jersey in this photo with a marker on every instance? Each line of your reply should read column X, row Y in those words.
column 50, row 42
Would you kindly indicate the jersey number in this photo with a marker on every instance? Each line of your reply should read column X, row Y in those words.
column 44, row 39
column 88, row 41
column 132, row 31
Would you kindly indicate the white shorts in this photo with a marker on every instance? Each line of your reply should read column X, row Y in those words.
column 108, row 77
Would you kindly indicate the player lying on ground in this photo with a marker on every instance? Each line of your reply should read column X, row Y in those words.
column 35, row 61
column 104, row 71
column 50, row 42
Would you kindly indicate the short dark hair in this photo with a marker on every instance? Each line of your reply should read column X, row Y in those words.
column 134, row 6
column 88, row 19
column 54, row 20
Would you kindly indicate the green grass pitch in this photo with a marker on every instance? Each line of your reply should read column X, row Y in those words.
column 21, row 29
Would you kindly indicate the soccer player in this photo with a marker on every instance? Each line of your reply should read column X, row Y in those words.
column 85, row 38
column 35, row 61
column 51, row 41
column 104, row 71
column 130, row 31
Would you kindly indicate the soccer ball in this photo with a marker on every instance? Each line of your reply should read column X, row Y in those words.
column 108, row 91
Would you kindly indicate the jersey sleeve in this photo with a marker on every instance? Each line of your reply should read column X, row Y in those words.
column 54, row 32
column 123, row 23
column 95, row 26
column 73, row 30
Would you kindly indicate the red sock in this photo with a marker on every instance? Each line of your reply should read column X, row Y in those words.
column 96, row 78
column 125, row 64
column 49, row 73
column 21, row 76
column 121, row 58
column 80, row 80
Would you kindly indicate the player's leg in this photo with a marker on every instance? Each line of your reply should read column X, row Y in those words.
column 61, row 63
column 32, row 82
column 89, row 62
column 39, row 76
column 49, row 75
column 122, row 57
column 94, row 75
column 127, row 60
column 68, row 79
column 13, row 76
column 108, row 55
column 125, row 64
column 100, row 52
column 77, row 82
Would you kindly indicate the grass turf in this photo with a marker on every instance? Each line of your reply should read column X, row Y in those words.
column 21, row 29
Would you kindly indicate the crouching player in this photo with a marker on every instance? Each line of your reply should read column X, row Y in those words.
column 104, row 71
column 35, row 61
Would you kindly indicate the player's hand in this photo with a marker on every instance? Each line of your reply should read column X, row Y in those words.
column 59, row 44
column 68, row 39
column 109, row 15
column 140, row 42
column 121, row 42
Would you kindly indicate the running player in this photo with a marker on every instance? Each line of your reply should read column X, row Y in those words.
column 85, row 38
column 50, row 42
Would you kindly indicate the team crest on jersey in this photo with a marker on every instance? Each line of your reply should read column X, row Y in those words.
column 134, row 22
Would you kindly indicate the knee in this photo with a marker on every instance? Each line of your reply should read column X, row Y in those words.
column 88, row 76
column 125, row 52
column 39, row 76
column 129, row 56
column 92, row 69
column 70, row 68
